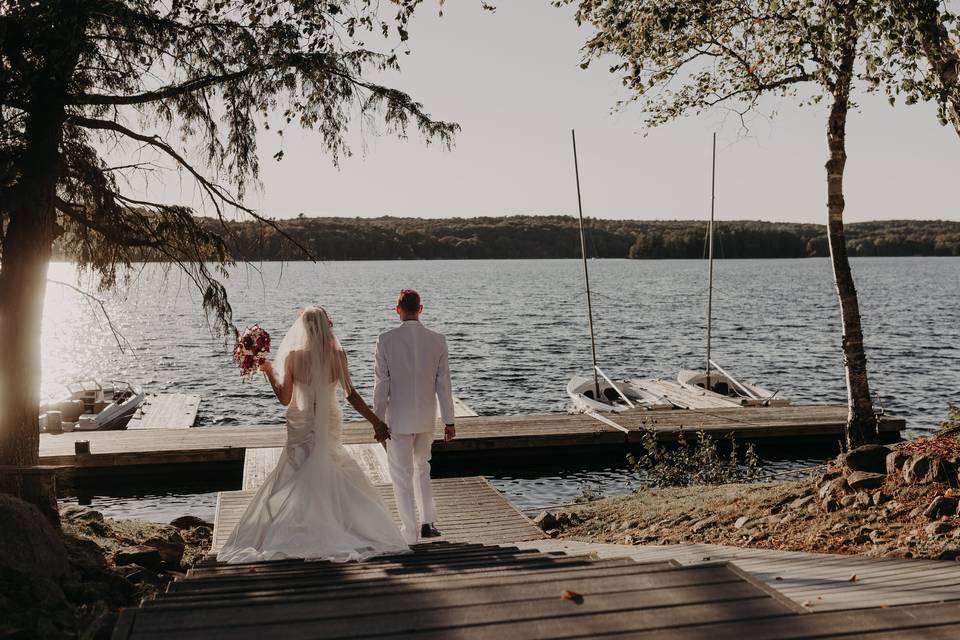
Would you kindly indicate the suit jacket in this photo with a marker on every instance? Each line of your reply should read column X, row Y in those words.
column 412, row 377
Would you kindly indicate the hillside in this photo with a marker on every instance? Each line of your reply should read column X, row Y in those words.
column 557, row 237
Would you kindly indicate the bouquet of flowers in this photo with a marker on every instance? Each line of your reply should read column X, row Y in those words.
column 251, row 350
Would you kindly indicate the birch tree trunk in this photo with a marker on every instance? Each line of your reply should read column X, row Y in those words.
column 861, row 422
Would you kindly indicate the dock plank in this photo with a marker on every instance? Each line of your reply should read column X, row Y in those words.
column 468, row 510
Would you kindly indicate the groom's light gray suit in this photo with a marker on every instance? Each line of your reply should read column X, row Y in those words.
column 412, row 378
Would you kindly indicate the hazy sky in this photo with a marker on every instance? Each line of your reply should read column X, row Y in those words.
column 512, row 80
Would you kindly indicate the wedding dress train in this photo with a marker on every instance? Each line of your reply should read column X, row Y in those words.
column 317, row 504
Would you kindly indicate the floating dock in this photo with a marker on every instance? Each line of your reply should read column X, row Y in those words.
column 793, row 425
column 166, row 411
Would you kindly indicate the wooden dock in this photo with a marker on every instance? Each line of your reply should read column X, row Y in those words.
column 816, row 581
column 479, row 435
column 167, row 411
column 471, row 591
column 469, row 510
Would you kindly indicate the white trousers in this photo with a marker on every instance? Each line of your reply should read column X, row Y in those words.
column 408, row 456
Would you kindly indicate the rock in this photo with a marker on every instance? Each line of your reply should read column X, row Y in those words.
column 29, row 544
column 941, row 506
column 628, row 540
column 829, row 504
column 76, row 513
column 860, row 480
column 706, row 523
column 142, row 556
column 949, row 553
column 553, row 533
column 870, row 458
column 741, row 522
column 190, row 522
column 630, row 524
column 800, row 503
column 895, row 461
column 876, row 536
column 863, row 499
column 915, row 513
column 545, row 520
column 833, row 488
column 170, row 549
column 879, row 497
column 848, row 501
column 938, row 528
column 827, row 477
column 926, row 469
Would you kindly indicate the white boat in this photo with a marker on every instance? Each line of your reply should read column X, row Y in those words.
column 715, row 383
column 722, row 384
column 615, row 395
column 93, row 406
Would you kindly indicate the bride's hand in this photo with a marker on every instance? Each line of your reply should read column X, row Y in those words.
column 266, row 367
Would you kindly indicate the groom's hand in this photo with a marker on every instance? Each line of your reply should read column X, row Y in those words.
column 449, row 433
column 381, row 432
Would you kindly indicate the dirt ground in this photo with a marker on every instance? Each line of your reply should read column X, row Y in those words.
column 887, row 522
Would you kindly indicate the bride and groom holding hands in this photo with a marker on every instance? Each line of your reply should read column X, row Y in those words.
column 317, row 503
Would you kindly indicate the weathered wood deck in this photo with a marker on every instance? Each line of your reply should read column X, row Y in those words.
column 258, row 463
column 479, row 592
column 817, row 581
column 469, row 510
column 475, row 435
column 167, row 411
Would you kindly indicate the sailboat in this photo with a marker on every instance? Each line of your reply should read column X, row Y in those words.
column 588, row 393
column 714, row 382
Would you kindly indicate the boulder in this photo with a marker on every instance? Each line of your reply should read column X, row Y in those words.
column 848, row 501
column 830, row 504
column 802, row 502
column 77, row 513
column 545, row 520
column 926, row 469
column 190, row 522
column 170, row 549
column 871, row 458
column 833, row 488
column 862, row 480
column 29, row 543
column 741, row 522
column 896, row 460
column 142, row 556
column 942, row 506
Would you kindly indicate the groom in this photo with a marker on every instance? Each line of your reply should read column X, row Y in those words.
column 412, row 376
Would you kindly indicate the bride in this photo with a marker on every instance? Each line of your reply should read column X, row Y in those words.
column 317, row 504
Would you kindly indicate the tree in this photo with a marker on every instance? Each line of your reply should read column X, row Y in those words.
column 680, row 57
column 84, row 83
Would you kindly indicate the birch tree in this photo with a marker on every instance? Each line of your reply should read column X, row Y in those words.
column 684, row 57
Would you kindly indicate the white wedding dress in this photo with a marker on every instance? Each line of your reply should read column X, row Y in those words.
column 317, row 504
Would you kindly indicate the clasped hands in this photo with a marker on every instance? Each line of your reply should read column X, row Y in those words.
column 381, row 432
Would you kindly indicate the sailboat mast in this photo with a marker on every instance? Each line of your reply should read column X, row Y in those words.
column 586, row 271
column 713, row 189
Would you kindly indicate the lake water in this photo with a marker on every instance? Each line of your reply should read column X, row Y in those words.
column 517, row 330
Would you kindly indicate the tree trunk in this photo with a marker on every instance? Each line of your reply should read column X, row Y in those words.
column 861, row 422
column 23, row 278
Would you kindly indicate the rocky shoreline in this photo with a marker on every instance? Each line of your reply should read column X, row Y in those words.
column 70, row 582
column 875, row 500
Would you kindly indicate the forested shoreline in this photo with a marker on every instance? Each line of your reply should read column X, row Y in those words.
column 389, row 238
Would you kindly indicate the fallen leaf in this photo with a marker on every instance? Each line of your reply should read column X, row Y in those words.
column 572, row 596
column 779, row 578
column 853, row 578
column 807, row 603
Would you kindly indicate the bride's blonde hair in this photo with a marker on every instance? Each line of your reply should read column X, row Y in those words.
column 316, row 346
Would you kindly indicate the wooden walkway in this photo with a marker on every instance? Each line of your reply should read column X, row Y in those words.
column 816, row 581
column 258, row 463
column 475, row 435
column 469, row 591
column 469, row 510
column 167, row 411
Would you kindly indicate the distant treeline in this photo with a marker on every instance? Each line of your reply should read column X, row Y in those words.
column 558, row 237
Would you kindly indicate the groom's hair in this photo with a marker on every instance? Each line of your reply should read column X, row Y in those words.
column 409, row 301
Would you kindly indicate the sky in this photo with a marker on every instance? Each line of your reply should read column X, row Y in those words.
column 512, row 80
